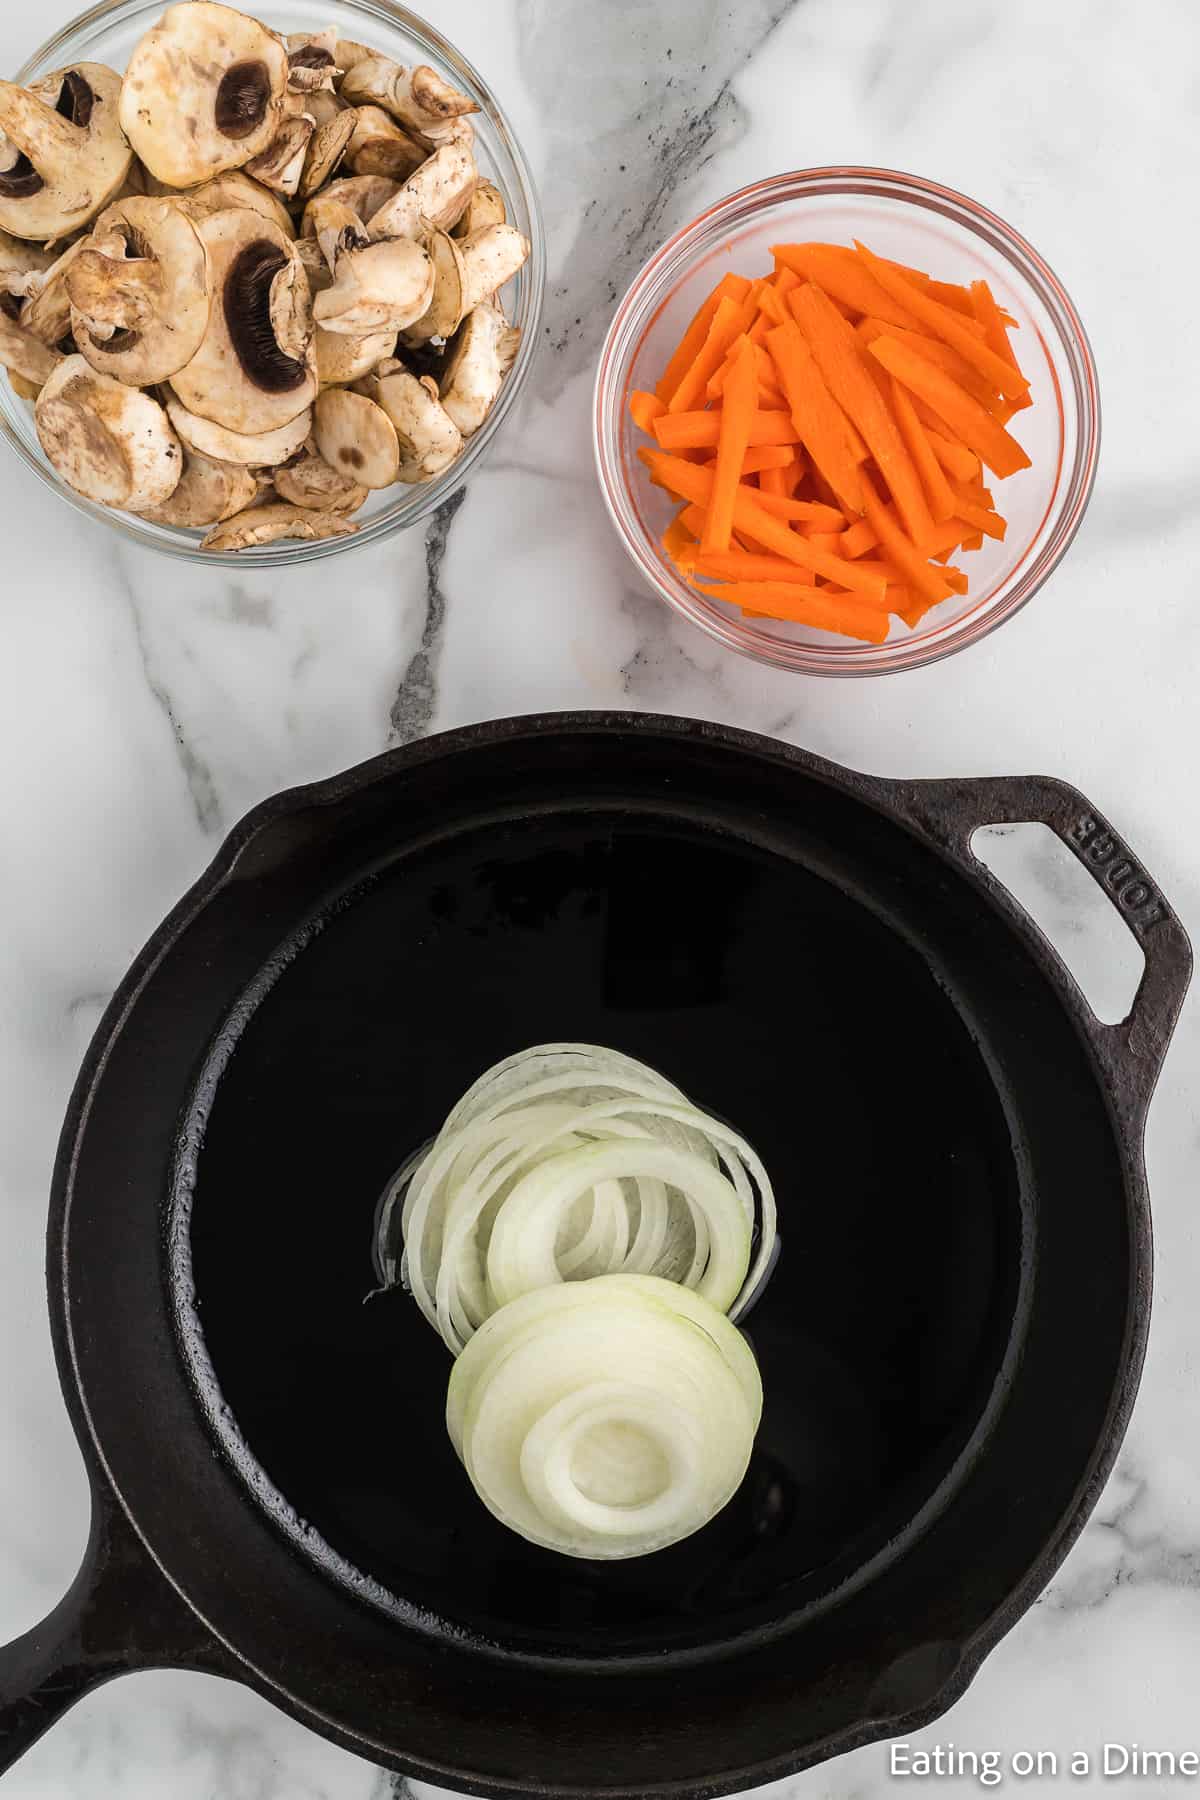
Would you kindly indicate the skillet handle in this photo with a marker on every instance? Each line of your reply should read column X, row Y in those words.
column 950, row 812
column 119, row 1615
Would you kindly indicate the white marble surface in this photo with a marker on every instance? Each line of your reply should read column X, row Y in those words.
column 142, row 709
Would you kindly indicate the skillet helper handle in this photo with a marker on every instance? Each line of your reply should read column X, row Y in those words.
column 951, row 812
column 119, row 1615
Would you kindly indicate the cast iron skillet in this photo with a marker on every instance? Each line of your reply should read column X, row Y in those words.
column 950, row 1345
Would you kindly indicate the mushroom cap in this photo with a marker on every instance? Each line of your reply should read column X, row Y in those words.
column 226, row 193
column 342, row 359
column 309, row 481
column 48, row 314
column 23, row 266
column 312, row 61
column 420, row 98
column 255, row 369
column 282, row 163
column 466, row 271
column 264, row 450
column 325, row 152
column 145, row 276
column 272, row 524
column 381, row 287
column 109, row 442
column 356, row 438
column 72, row 155
column 27, row 356
column 434, row 195
column 203, row 92
column 478, row 361
column 380, row 147
column 207, row 493
column 429, row 439
column 363, row 194
column 485, row 207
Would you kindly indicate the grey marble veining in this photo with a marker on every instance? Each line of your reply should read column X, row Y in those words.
column 143, row 708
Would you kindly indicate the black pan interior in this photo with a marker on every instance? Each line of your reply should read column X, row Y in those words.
column 757, row 977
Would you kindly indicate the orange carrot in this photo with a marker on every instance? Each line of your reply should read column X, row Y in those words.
column 990, row 523
column 974, row 542
column 768, row 456
column 815, row 414
column 933, row 479
column 949, row 326
column 733, row 287
column 772, row 484
column 995, row 333
column 807, row 606
column 841, row 275
column 828, row 541
column 677, row 539
column 737, row 417
column 726, row 325
column 692, row 518
column 692, row 483
column 794, row 474
column 978, row 430
column 700, row 430
column 860, row 538
column 918, row 573
column 949, row 293
column 934, row 351
column 745, row 565
column 954, row 457
column 770, row 303
column 839, row 358
column 803, row 512
column 645, row 408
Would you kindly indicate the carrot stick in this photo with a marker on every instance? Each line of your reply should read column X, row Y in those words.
column 726, row 325
column 815, row 414
column 978, row 430
column 860, row 538
column 807, row 606
column 768, row 456
column 991, row 524
column 771, row 485
column 947, row 292
column 645, row 408
column 794, row 474
column 839, row 358
column 974, row 542
column 954, row 457
column 701, row 430
column 745, row 565
column 737, row 416
column 828, row 541
column 692, row 483
column 995, row 334
column 770, row 303
column 837, row 270
column 934, row 351
column 693, row 518
column 917, row 573
column 949, row 326
column 933, row 479
column 677, row 539
column 733, row 287
column 803, row 512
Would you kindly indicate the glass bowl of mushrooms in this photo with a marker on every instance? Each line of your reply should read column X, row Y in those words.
column 269, row 283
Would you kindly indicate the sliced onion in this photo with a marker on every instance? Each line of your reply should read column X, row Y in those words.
column 567, row 1162
column 605, row 1418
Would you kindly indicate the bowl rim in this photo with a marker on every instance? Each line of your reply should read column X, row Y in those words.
column 841, row 659
column 425, row 499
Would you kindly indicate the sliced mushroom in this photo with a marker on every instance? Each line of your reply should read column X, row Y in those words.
column 311, row 482
column 466, row 271
column 25, row 355
column 363, row 194
column 380, row 147
column 140, row 293
column 228, row 192
column 23, row 267
column 347, row 55
column 48, row 314
column 272, row 524
column 381, row 287
column 72, row 156
column 419, row 98
column 315, row 267
column 435, row 195
column 336, row 227
column 23, row 388
column 325, row 152
column 312, row 61
column 479, row 359
column 429, row 439
column 323, row 106
column 281, row 164
column 203, row 92
column 109, row 442
column 261, row 450
column 356, row 437
column 207, row 493
column 255, row 369
column 485, row 207
column 341, row 359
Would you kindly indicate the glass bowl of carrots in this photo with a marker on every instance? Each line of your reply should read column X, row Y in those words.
column 847, row 421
